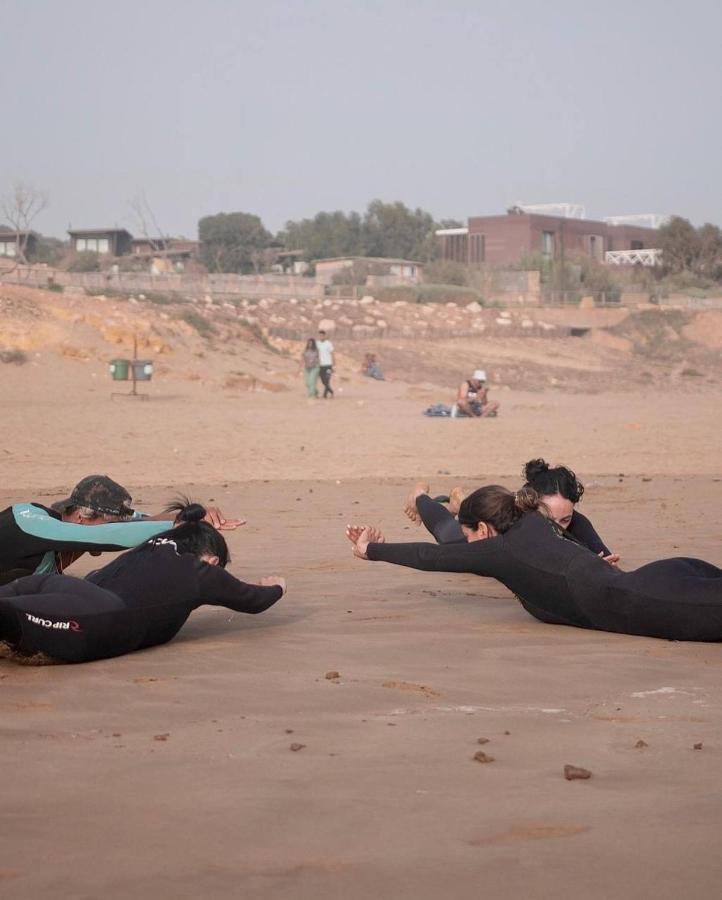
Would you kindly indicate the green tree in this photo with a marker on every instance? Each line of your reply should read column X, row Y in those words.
column 393, row 230
column 710, row 251
column 327, row 235
column 49, row 250
column 230, row 242
column 680, row 245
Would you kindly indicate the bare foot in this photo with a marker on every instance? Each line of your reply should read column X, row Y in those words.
column 421, row 487
column 456, row 497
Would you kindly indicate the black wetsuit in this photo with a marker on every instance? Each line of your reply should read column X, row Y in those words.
column 560, row 582
column 446, row 529
column 32, row 537
column 141, row 599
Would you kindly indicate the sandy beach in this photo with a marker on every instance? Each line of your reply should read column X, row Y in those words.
column 169, row 773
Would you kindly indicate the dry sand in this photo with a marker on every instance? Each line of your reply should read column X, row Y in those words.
column 169, row 773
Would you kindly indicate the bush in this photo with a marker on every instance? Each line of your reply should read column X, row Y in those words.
column 13, row 355
column 85, row 261
column 204, row 328
column 428, row 293
column 446, row 271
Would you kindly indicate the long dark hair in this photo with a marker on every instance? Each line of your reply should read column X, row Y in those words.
column 497, row 506
column 192, row 535
column 547, row 480
column 311, row 344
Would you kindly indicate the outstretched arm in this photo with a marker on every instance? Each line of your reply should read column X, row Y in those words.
column 220, row 588
column 477, row 558
column 52, row 534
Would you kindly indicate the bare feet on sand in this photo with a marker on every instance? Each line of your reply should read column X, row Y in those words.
column 456, row 496
column 421, row 487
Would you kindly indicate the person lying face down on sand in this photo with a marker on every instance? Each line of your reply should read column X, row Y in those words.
column 510, row 537
column 40, row 539
column 472, row 398
column 141, row 599
column 559, row 488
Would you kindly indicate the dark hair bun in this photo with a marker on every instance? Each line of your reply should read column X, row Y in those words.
column 185, row 511
column 194, row 512
column 534, row 468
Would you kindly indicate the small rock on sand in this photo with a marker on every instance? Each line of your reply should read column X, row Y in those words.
column 640, row 745
column 161, row 737
column 482, row 757
column 296, row 747
column 482, row 740
column 332, row 676
column 697, row 746
column 576, row 773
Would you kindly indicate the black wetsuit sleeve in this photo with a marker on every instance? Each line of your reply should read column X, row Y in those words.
column 477, row 557
column 220, row 588
column 439, row 521
column 582, row 529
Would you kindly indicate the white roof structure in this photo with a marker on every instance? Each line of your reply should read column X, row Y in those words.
column 643, row 220
column 565, row 210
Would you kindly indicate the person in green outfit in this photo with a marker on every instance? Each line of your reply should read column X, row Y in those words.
column 311, row 367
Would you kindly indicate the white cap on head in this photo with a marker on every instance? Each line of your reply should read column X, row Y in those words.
column 479, row 375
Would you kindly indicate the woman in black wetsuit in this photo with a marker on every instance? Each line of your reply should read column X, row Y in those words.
column 559, row 581
column 139, row 600
column 558, row 487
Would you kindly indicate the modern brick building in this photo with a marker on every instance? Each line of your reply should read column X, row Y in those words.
column 505, row 240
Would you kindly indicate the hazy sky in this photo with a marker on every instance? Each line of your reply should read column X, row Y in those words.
column 284, row 109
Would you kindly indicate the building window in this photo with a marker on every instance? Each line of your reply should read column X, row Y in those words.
column 596, row 246
column 81, row 245
column 456, row 248
column 103, row 245
column 7, row 249
column 477, row 249
column 548, row 243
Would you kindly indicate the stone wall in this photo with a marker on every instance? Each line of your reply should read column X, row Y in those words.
column 185, row 285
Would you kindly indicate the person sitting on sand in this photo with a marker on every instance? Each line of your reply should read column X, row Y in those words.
column 560, row 491
column 472, row 398
column 40, row 539
column 371, row 367
column 510, row 537
column 139, row 600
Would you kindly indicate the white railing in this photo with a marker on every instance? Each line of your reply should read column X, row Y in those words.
column 643, row 220
column 633, row 257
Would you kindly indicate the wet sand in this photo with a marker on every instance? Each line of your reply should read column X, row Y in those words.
column 169, row 773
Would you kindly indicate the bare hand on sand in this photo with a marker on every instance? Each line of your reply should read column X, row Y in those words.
column 215, row 517
column 361, row 536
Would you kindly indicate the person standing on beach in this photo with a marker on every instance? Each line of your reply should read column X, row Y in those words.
column 325, row 358
column 310, row 367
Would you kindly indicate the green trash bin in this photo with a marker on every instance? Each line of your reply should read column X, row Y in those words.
column 119, row 369
column 143, row 369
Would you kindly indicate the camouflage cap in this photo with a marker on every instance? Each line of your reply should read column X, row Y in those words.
column 100, row 493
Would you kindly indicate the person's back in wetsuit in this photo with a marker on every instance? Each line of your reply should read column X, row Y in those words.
column 560, row 582
column 139, row 600
column 33, row 536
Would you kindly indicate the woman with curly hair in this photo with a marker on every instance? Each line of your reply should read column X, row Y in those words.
column 509, row 536
column 559, row 488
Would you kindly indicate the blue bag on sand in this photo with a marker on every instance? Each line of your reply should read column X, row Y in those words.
column 438, row 409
